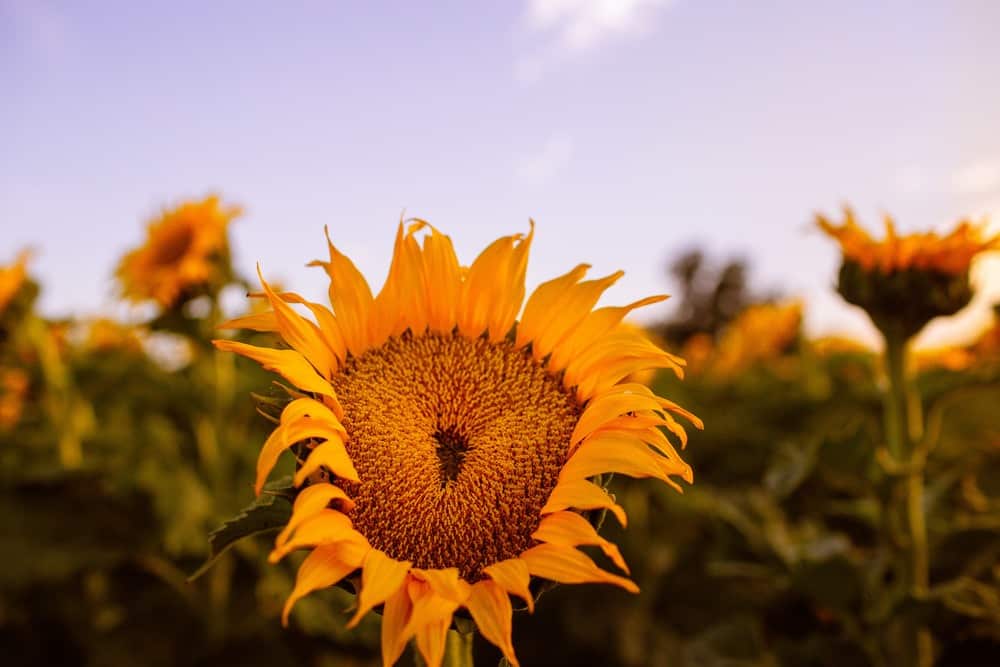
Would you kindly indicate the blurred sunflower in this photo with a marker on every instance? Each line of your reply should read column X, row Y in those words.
column 12, row 277
column 903, row 282
column 183, row 251
column 762, row 332
column 107, row 335
column 834, row 345
column 448, row 447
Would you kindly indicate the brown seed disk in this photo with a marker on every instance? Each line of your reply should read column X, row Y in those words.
column 458, row 444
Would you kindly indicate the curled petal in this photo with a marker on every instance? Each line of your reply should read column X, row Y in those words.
column 289, row 364
column 321, row 569
column 491, row 610
column 582, row 494
column 572, row 530
column 381, row 577
column 566, row 565
column 311, row 501
column 330, row 455
column 512, row 576
column 395, row 616
column 350, row 297
column 326, row 527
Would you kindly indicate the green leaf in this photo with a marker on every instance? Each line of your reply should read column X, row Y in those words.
column 269, row 512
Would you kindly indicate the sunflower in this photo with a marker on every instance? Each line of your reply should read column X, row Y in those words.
column 182, row 252
column 903, row 282
column 12, row 277
column 951, row 254
column 447, row 447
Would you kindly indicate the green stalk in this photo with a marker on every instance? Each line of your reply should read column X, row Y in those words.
column 895, row 399
column 458, row 649
column 901, row 415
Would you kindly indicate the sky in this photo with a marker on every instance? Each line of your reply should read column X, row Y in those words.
column 629, row 130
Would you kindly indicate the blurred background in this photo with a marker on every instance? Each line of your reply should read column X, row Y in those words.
column 689, row 143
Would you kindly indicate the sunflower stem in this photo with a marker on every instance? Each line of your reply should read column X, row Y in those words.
column 458, row 649
column 903, row 415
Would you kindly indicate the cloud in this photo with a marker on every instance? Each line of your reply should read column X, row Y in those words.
column 976, row 178
column 574, row 27
column 542, row 167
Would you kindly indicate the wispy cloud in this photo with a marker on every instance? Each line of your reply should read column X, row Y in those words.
column 541, row 167
column 570, row 28
column 976, row 178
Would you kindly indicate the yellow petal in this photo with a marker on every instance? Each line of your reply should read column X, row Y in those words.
column 651, row 436
column 350, row 297
column 605, row 407
column 566, row 565
column 311, row 501
column 395, row 616
column 539, row 308
column 431, row 638
column 443, row 281
column 381, row 577
column 328, row 325
column 582, row 494
column 320, row 569
column 401, row 304
column 493, row 291
column 413, row 281
column 444, row 582
column 673, row 407
column 491, row 610
column 330, row 455
column 301, row 334
column 512, row 576
column 256, row 322
column 613, row 373
column 593, row 327
column 310, row 407
column 429, row 614
column 568, row 311
column 504, row 312
column 484, row 287
column 615, row 356
column 623, row 454
column 286, row 435
column 325, row 527
column 572, row 530
column 289, row 364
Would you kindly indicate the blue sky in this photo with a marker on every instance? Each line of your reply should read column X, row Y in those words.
column 628, row 130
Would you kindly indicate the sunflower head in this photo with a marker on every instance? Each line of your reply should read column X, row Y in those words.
column 447, row 439
column 12, row 278
column 186, row 253
column 903, row 282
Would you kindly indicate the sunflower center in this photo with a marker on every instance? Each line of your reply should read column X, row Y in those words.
column 174, row 244
column 451, row 449
column 458, row 444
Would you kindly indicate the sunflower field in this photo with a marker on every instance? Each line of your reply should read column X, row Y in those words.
column 405, row 475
